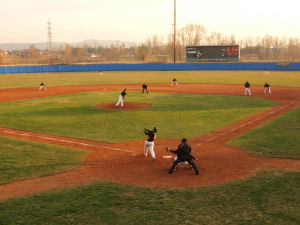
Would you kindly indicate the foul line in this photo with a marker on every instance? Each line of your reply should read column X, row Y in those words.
column 245, row 124
column 134, row 153
column 66, row 141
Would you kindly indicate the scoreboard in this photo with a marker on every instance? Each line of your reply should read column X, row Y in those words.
column 217, row 53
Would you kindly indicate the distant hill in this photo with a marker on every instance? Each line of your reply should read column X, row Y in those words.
column 105, row 43
column 43, row 45
column 21, row 46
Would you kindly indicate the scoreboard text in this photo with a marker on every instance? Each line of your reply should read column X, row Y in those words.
column 218, row 53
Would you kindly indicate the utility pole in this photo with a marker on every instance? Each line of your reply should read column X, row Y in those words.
column 49, row 41
column 174, row 41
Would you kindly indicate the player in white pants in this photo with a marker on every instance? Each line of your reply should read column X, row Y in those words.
column 267, row 88
column 174, row 81
column 247, row 88
column 121, row 98
column 42, row 87
column 149, row 143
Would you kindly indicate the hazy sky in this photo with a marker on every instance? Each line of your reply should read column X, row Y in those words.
column 138, row 20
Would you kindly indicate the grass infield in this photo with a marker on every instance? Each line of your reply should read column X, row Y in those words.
column 271, row 197
column 23, row 159
column 291, row 79
column 277, row 138
column 176, row 115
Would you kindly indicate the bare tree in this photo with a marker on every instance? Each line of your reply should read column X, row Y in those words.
column 214, row 38
column 142, row 51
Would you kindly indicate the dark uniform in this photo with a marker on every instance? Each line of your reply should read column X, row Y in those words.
column 151, row 134
column 42, row 86
column 267, row 88
column 183, row 155
column 121, row 97
column 247, row 88
column 149, row 143
column 247, row 84
column 123, row 93
column 144, row 88
column 174, row 81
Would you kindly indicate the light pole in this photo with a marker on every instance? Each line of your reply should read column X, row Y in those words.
column 174, row 38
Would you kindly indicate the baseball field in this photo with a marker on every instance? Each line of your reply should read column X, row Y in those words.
column 68, row 156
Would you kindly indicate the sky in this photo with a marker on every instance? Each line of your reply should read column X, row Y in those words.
column 137, row 20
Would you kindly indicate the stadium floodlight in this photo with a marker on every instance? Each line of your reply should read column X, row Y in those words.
column 174, row 39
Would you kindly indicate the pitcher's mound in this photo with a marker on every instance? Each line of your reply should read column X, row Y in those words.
column 127, row 106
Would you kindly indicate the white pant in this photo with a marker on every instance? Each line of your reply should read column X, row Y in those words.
column 247, row 90
column 149, row 145
column 267, row 90
column 120, row 101
column 42, row 87
column 174, row 83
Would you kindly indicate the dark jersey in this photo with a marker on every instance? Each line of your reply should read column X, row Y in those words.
column 123, row 93
column 267, row 85
column 151, row 134
column 42, row 84
column 183, row 151
column 247, row 85
column 174, row 80
column 144, row 86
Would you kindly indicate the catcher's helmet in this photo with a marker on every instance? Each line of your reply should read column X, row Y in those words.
column 155, row 129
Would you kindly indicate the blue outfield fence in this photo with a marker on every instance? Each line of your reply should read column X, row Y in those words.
column 151, row 67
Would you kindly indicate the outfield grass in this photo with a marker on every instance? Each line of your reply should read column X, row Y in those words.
column 277, row 138
column 23, row 160
column 176, row 115
column 291, row 79
column 271, row 197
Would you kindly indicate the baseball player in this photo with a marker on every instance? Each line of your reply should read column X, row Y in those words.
column 144, row 88
column 121, row 98
column 247, row 88
column 267, row 88
column 149, row 143
column 183, row 153
column 174, row 81
column 100, row 72
column 42, row 87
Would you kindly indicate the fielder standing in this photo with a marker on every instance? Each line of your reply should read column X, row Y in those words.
column 144, row 88
column 247, row 88
column 121, row 98
column 149, row 143
column 267, row 88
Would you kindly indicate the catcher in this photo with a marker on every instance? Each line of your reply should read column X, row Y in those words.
column 183, row 153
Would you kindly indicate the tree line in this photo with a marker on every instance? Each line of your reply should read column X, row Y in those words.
column 157, row 50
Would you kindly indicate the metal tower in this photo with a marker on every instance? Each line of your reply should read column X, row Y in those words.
column 49, row 41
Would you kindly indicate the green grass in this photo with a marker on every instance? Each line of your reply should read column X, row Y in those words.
column 219, row 77
column 176, row 115
column 23, row 160
column 277, row 138
column 271, row 197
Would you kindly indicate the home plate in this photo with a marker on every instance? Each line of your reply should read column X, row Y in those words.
column 167, row 156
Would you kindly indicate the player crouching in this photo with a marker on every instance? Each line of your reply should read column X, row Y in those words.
column 183, row 153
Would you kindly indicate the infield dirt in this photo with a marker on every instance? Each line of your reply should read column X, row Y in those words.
column 125, row 163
